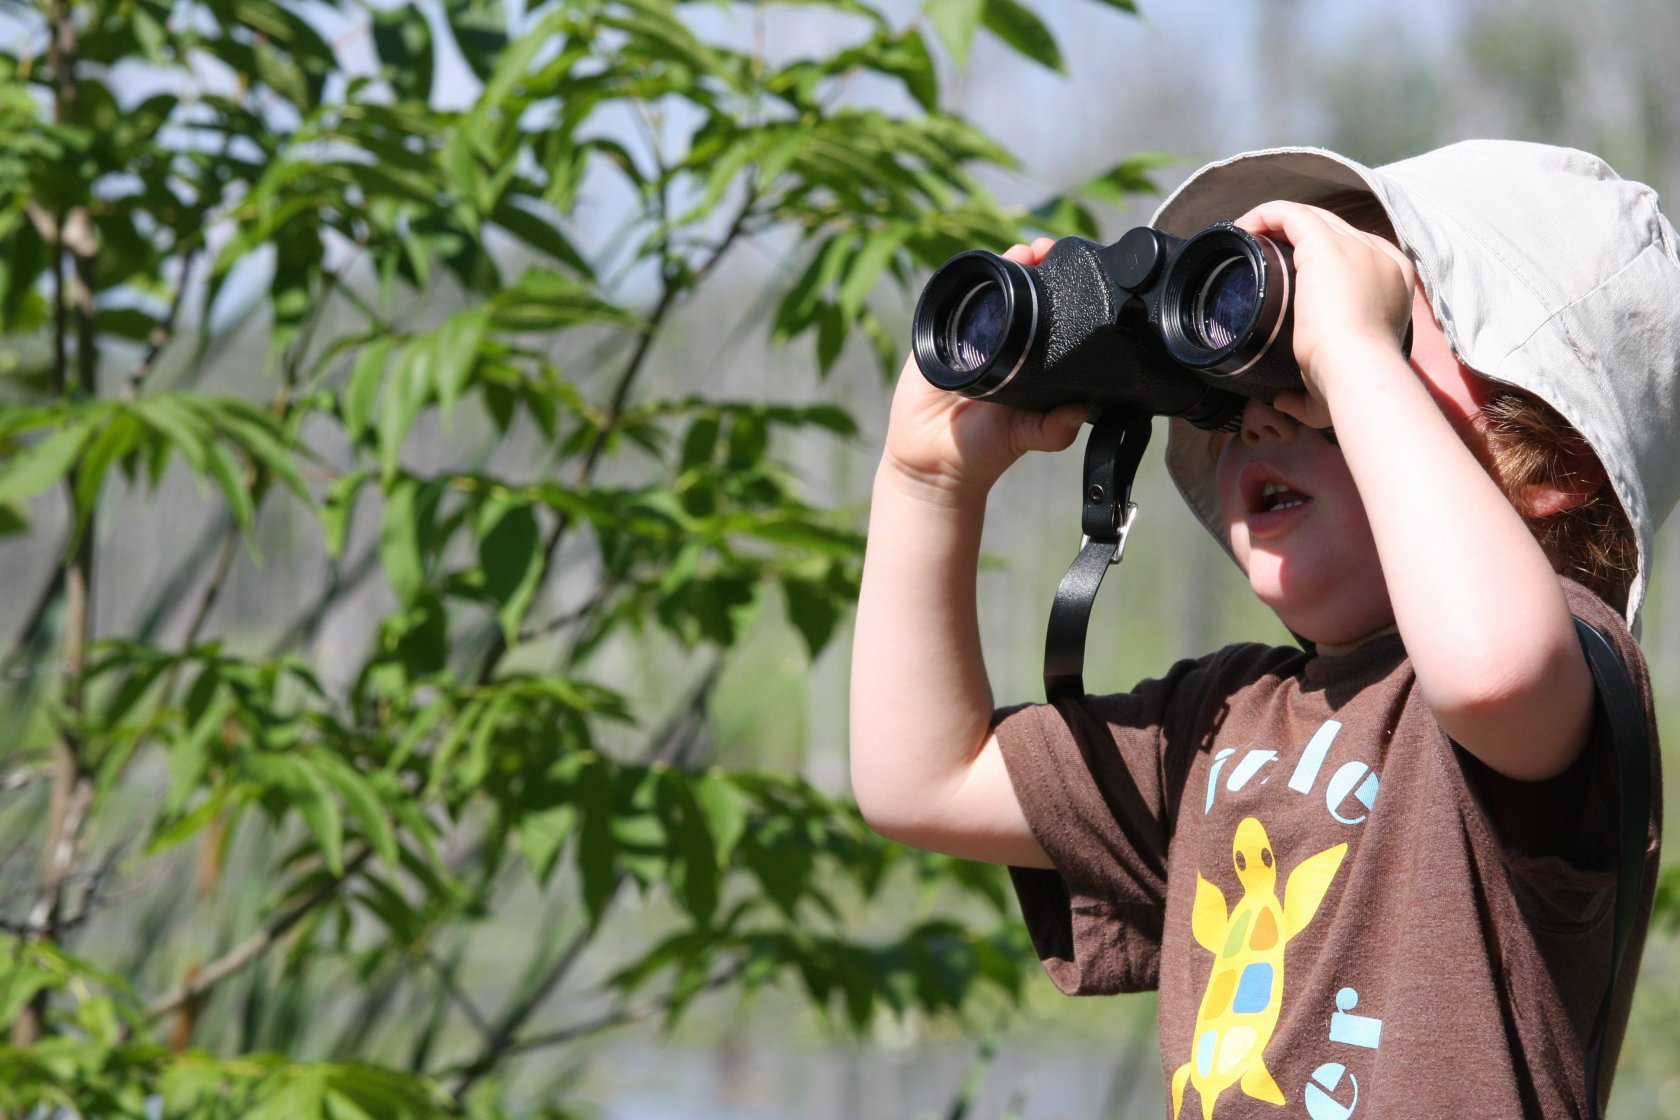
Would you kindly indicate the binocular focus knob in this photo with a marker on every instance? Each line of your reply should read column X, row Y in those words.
column 1134, row 260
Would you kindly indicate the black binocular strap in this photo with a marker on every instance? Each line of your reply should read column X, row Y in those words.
column 1626, row 717
column 1112, row 454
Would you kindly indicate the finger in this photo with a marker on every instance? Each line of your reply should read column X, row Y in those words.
column 1030, row 255
column 1394, row 253
column 1303, row 409
column 1050, row 431
column 1277, row 216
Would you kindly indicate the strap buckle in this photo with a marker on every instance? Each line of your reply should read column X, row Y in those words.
column 1120, row 534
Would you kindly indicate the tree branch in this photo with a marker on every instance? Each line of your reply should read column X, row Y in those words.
column 206, row 978
column 72, row 783
column 341, row 583
column 619, row 1017
column 163, row 332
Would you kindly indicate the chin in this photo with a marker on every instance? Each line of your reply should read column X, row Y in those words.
column 1334, row 618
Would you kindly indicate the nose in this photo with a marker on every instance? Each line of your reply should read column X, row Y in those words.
column 1260, row 419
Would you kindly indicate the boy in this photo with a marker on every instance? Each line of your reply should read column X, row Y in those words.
column 1370, row 877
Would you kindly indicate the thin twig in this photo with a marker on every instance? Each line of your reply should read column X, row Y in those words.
column 224, row 564
column 459, row 997
column 569, row 618
column 247, row 951
column 163, row 333
column 340, row 584
column 170, row 595
column 57, row 925
column 20, row 778
column 621, row 1016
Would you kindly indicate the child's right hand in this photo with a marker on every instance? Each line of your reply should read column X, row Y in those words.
column 949, row 447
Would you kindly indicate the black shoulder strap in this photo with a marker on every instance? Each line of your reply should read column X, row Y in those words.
column 1112, row 454
column 1626, row 717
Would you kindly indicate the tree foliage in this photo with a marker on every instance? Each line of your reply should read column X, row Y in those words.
column 409, row 202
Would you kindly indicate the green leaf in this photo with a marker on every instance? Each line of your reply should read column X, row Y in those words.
column 1024, row 32
column 539, row 233
column 906, row 57
column 695, row 873
column 956, row 21
column 364, row 804
column 227, row 474
column 303, row 787
column 339, row 507
column 362, row 388
column 545, row 300
column 866, row 267
column 814, row 609
column 406, row 392
column 453, row 352
column 657, row 34
column 170, row 830
column 480, row 30
column 255, row 432
column 121, row 436
column 726, row 809
column 700, row 443
column 1129, row 177
column 403, row 39
column 597, row 851
column 511, row 554
column 127, row 322
column 803, row 301
column 399, row 540
column 43, row 463
column 543, row 834
column 831, row 336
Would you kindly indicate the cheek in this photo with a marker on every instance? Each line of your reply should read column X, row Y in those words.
column 1459, row 393
column 1226, row 473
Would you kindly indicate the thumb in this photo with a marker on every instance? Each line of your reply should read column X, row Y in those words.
column 1050, row 431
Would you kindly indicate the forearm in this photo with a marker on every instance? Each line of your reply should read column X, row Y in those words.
column 921, row 704
column 1474, row 597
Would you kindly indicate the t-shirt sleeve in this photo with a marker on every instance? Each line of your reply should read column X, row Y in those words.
column 1578, row 810
column 1093, row 779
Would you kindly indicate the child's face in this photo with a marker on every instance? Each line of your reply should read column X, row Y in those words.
column 1295, row 520
column 1298, row 530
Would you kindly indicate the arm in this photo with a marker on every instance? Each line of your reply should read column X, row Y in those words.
column 926, row 769
column 1474, row 598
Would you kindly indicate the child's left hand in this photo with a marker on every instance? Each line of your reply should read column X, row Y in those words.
column 1353, row 291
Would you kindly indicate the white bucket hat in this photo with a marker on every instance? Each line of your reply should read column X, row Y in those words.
column 1546, row 271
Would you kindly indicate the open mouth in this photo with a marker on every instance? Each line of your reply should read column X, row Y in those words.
column 1276, row 496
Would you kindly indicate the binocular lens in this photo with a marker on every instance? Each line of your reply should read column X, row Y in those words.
column 977, row 328
column 1226, row 304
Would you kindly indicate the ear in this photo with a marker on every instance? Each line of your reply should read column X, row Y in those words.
column 1580, row 478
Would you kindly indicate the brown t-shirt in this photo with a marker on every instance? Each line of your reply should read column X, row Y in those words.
column 1344, row 912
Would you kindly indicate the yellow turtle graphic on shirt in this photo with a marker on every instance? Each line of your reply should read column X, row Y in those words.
column 1240, row 1009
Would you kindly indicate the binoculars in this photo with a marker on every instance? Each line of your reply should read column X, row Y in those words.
column 1190, row 327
